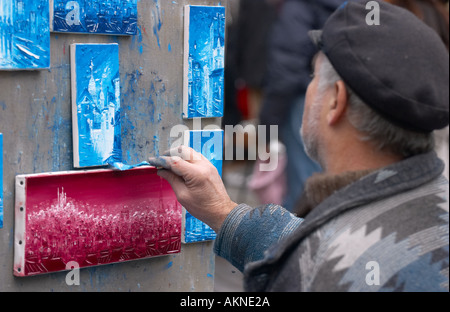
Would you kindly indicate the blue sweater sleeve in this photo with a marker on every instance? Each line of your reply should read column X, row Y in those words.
column 247, row 233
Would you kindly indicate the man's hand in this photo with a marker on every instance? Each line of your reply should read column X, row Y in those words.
column 197, row 185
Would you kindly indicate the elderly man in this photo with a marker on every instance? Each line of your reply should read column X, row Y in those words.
column 377, row 218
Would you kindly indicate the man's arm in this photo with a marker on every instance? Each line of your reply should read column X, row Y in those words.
column 247, row 233
column 244, row 233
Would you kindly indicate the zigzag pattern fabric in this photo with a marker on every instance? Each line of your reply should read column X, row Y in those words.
column 388, row 231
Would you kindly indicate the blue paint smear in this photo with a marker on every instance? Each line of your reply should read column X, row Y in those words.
column 138, row 38
column 98, row 104
column 58, row 120
column 60, row 127
column 123, row 167
column 111, row 17
column 210, row 145
column 206, row 61
column 157, row 24
column 24, row 35
column 1, row 180
column 156, row 145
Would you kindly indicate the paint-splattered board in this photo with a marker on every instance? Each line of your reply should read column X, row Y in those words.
column 36, row 122
column 93, row 218
column 209, row 144
column 204, row 61
column 24, row 35
column 106, row 17
column 95, row 104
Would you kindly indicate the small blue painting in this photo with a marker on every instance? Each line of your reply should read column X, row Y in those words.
column 107, row 17
column 204, row 61
column 1, row 180
column 96, row 104
column 210, row 145
column 24, row 35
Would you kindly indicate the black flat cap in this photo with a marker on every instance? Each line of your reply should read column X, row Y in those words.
column 400, row 68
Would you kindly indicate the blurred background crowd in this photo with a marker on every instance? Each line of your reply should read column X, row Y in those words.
column 268, row 69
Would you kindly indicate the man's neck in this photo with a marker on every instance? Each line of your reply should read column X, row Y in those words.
column 357, row 157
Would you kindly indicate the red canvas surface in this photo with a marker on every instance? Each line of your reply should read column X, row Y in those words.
column 95, row 218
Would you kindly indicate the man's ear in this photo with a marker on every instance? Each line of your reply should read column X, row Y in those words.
column 338, row 106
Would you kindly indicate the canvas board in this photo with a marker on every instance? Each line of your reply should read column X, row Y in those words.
column 94, row 217
column 209, row 144
column 204, row 61
column 95, row 104
column 105, row 17
column 24, row 35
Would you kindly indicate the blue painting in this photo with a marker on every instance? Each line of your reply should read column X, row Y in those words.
column 210, row 145
column 1, row 180
column 204, row 61
column 24, row 34
column 108, row 17
column 96, row 104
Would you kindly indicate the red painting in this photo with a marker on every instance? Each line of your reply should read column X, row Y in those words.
column 93, row 218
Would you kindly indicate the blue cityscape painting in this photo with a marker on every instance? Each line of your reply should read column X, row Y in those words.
column 108, row 17
column 204, row 61
column 1, row 180
column 210, row 145
column 96, row 104
column 24, row 34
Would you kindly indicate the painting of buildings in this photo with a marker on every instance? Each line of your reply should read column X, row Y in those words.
column 108, row 17
column 210, row 145
column 204, row 61
column 96, row 104
column 1, row 180
column 94, row 218
column 24, row 35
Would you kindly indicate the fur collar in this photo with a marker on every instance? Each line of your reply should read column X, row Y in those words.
column 321, row 186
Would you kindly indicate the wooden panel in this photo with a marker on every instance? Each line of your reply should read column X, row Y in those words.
column 107, row 17
column 204, row 61
column 93, row 218
column 36, row 122
column 97, row 137
column 24, row 35
column 210, row 144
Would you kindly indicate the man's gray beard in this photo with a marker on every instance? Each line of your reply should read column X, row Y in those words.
column 310, row 144
column 311, row 137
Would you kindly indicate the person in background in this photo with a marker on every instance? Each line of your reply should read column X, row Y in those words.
column 378, row 93
column 290, row 54
column 254, row 24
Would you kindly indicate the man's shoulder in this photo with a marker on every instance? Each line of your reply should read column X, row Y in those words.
column 396, row 217
column 403, row 238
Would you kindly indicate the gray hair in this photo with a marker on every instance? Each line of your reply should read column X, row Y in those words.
column 385, row 135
